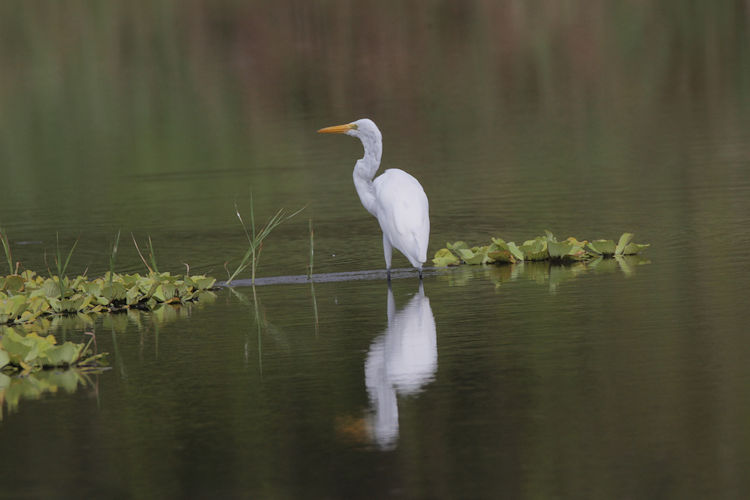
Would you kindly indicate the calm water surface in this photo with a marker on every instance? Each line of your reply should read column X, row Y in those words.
column 528, row 382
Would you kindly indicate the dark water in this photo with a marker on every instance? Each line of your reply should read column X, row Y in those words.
column 585, row 118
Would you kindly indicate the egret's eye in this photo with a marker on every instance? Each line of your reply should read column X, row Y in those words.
column 355, row 126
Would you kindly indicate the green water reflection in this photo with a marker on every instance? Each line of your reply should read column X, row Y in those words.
column 585, row 118
column 37, row 385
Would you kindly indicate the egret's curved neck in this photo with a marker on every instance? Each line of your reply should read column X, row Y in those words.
column 365, row 169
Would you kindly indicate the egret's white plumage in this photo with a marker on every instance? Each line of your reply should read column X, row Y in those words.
column 395, row 198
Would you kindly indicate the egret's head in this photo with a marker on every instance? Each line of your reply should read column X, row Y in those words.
column 364, row 129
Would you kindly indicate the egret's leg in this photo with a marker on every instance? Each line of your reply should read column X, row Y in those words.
column 420, row 274
column 387, row 252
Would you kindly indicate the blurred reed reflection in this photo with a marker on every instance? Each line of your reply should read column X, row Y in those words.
column 401, row 361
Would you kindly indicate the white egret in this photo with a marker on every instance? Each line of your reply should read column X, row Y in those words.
column 395, row 198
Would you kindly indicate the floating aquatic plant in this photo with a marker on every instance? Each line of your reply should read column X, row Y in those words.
column 29, row 352
column 541, row 248
column 26, row 297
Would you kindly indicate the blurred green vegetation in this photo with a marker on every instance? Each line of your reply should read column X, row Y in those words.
column 145, row 87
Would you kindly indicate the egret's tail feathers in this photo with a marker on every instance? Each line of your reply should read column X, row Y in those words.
column 416, row 258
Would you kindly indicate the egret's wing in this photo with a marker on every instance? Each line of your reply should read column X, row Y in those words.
column 403, row 213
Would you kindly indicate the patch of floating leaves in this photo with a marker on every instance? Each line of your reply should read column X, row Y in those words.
column 27, row 296
column 541, row 248
column 31, row 352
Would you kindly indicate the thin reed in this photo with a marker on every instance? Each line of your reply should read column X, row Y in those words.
column 255, row 238
column 62, row 266
column 153, row 268
column 113, row 256
column 6, row 248
column 312, row 249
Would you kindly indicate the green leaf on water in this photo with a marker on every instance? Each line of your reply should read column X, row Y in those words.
column 14, row 306
column 445, row 257
column 4, row 358
column 203, row 282
column 128, row 280
column 162, row 293
column 132, row 296
column 634, row 248
column 25, row 349
column 570, row 249
column 535, row 249
column 13, row 283
column 39, row 346
column 183, row 290
column 14, row 346
column 624, row 241
column 501, row 256
column 473, row 256
column 603, row 247
column 559, row 249
column 517, row 252
column 50, row 288
column 169, row 291
column 115, row 291
column 59, row 355
column 499, row 251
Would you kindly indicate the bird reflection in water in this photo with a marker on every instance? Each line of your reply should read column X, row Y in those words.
column 401, row 361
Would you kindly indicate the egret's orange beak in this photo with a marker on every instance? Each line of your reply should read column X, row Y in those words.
column 338, row 129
